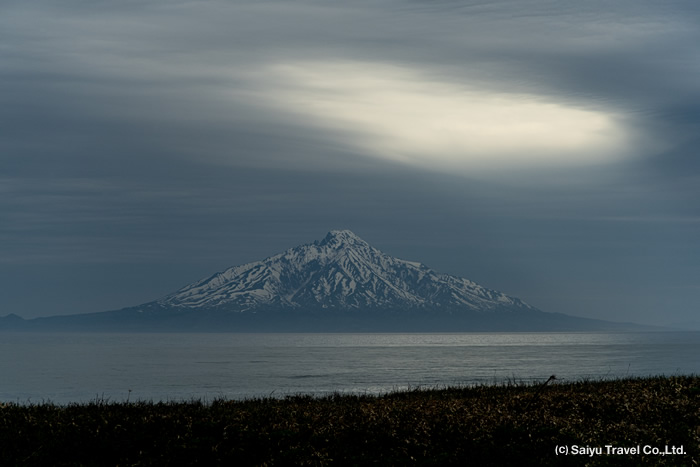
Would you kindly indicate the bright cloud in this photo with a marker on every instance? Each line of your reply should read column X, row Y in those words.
column 404, row 115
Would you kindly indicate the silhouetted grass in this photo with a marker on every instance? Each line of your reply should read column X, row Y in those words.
column 509, row 424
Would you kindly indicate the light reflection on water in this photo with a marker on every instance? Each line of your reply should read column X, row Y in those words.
column 77, row 367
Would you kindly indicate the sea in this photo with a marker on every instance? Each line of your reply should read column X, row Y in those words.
column 65, row 368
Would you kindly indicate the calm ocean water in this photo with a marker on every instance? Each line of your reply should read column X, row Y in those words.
column 68, row 367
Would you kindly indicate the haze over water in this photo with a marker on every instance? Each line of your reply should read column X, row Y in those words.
column 77, row 367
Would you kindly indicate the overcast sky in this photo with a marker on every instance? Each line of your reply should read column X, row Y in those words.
column 545, row 149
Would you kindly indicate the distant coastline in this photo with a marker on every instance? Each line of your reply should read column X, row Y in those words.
column 133, row 320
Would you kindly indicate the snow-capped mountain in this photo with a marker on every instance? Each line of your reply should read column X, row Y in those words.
column 338, row 284
column 341, row 272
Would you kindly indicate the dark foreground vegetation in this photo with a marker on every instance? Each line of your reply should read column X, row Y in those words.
column 510, row 424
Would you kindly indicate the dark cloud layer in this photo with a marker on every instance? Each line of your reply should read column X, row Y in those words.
column 146, row 144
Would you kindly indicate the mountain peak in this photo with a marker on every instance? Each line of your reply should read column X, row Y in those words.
column 342, row 237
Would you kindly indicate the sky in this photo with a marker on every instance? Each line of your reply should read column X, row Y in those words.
column 545, row 149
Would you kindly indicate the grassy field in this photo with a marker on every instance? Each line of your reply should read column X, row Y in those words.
column 510, row 424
